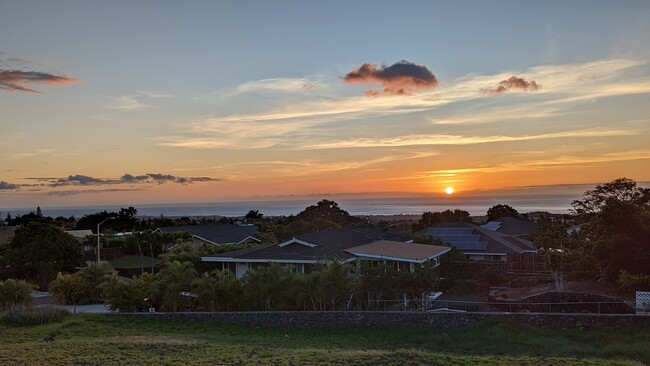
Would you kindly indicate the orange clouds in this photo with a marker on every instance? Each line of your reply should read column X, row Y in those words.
column 401, row 78
column 16, row 80
column 513, row 82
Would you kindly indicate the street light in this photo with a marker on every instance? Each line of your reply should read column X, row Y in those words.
column 98, row 236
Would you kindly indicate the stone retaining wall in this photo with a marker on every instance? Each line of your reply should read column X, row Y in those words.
column 340, row 319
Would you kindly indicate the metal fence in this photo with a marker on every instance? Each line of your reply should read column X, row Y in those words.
column 610, row 307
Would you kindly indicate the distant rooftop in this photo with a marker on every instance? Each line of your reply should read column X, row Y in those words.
column 216, row 233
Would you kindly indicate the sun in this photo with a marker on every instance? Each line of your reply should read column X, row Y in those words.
column 449, row 190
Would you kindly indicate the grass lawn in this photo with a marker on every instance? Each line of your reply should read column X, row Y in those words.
column 114, row 340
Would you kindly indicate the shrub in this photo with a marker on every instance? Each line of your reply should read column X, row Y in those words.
column 16, row 292
column 26, row 315
column 82, row 287
column 633, row 282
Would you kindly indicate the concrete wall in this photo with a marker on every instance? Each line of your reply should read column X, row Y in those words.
column 339, row 319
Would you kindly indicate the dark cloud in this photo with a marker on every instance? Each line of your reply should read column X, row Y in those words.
column 80, row 180
column 401, row 78
column 6, row 186
column 80, row 191
column 128, row 178
column 16, row 80
column 164, row 178
column 513, row 82
column 84, row 180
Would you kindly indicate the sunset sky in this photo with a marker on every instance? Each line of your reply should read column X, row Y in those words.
column 136, row 102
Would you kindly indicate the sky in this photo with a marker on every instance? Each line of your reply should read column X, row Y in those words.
column 141, row 102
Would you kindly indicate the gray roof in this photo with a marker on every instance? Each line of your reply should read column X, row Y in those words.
column 216, row 233
column 512, row 226
column 329, row 244
column 474, row 239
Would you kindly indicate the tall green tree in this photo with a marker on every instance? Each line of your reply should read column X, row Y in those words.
column 429, row 218
column 45, row 248
column 498, row 211
column 617, row 230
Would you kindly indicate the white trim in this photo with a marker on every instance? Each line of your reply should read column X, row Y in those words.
column 408, row 260
column 206, row 240
column 484, row 253
column 249, row 237
column 242, row 260
column 374, row 256
column 297, row 241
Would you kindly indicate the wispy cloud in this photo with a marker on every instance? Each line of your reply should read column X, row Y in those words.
column 309, row 167
column 266, row 86
column 435, row 139
column 309, row 123
column 136, row 101
column 28, row 154
column 540, row 164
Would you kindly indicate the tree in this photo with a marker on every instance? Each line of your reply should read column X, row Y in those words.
column 45, row 248
column 562, row 252
column 617, row 230
column 431, row 218
column 174, row 278
column 83, row 287
column 621, row 190
column 498, row 211
column 253, row 216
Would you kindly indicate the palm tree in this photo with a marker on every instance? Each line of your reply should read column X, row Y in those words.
column 92, row 277
column 207, row 287
column 174, row 278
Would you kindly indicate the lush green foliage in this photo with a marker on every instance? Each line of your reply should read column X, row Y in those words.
column 324, row 215
column 82, row 287
column 45, row 248
column 614, row 242
column 431, row 218
column 112, row 340
column 498, row 211
column 15, row 292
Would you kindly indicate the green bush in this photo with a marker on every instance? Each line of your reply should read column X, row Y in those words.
column 82, row 287
column 16, row 292
column 27, row 315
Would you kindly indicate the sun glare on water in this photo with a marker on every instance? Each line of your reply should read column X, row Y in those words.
column 449, row 190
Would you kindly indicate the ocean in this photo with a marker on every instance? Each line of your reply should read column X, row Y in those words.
column 477, row 205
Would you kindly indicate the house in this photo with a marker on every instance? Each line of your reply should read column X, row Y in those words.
column 479, row 243
column 80, row 235
column 216, row 234
column 512, row 226
column 349, row 244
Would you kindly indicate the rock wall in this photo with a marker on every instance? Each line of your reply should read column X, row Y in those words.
column 340, row 319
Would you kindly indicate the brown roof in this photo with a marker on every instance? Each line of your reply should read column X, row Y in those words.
column 399, row 251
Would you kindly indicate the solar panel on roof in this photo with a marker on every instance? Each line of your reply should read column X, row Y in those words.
column 449, row 230
column 492, row 225
column 471, row 245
